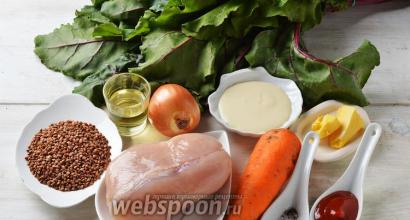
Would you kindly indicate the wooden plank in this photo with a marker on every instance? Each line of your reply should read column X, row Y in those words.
column 23, row 79
column 386, row 26
column 386, row 185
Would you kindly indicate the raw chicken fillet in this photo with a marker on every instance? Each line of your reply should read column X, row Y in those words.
column 188, row 164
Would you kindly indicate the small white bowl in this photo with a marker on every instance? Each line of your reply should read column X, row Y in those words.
column 104, row 213
column 256, row 74
column 324, row 153
column 69, row 107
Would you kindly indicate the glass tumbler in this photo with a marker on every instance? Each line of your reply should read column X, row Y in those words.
column 127, row 97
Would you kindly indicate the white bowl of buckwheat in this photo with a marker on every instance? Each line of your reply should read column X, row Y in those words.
column 63, row 152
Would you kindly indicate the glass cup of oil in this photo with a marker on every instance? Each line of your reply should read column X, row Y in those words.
column 127, row 97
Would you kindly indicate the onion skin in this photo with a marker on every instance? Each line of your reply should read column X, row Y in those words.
column 173, row 110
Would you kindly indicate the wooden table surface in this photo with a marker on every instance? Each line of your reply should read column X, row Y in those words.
column 26, row 87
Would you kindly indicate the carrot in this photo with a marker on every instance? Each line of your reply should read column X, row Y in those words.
column 269, row 167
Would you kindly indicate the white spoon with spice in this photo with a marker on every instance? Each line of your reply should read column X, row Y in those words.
column 293, row 202
column 344, row 199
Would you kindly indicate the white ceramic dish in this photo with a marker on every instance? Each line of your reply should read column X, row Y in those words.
column 324, row 153
column 256, row 74
column 353, row 177
column 104, row 213
column 69, row 107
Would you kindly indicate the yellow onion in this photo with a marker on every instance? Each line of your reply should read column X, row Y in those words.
column 173, row 110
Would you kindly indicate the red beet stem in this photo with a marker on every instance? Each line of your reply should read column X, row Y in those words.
column 296, row 40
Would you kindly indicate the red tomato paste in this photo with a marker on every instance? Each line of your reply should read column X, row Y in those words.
column 340, row 205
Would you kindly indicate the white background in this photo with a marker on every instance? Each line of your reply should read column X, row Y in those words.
column 26, row 87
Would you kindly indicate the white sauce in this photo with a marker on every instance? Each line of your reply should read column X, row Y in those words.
column 254, row 106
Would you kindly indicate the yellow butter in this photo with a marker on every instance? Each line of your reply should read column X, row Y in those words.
column 352, row 124
column 326, row 125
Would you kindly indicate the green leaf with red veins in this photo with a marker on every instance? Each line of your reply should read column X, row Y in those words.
column 124, row 9
column 91, row 87
column 72, row 49
column 280, row 52
column 172, row 57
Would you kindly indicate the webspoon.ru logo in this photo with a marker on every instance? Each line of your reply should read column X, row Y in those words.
column 175, row 205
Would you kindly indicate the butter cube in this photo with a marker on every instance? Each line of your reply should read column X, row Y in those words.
column 326, row 125
column 352, row 125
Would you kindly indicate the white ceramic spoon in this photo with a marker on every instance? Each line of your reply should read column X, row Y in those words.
column 295, row 195
column 352, row 179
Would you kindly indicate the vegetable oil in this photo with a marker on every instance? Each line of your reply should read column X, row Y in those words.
column 128, row 108
column 127, row 98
